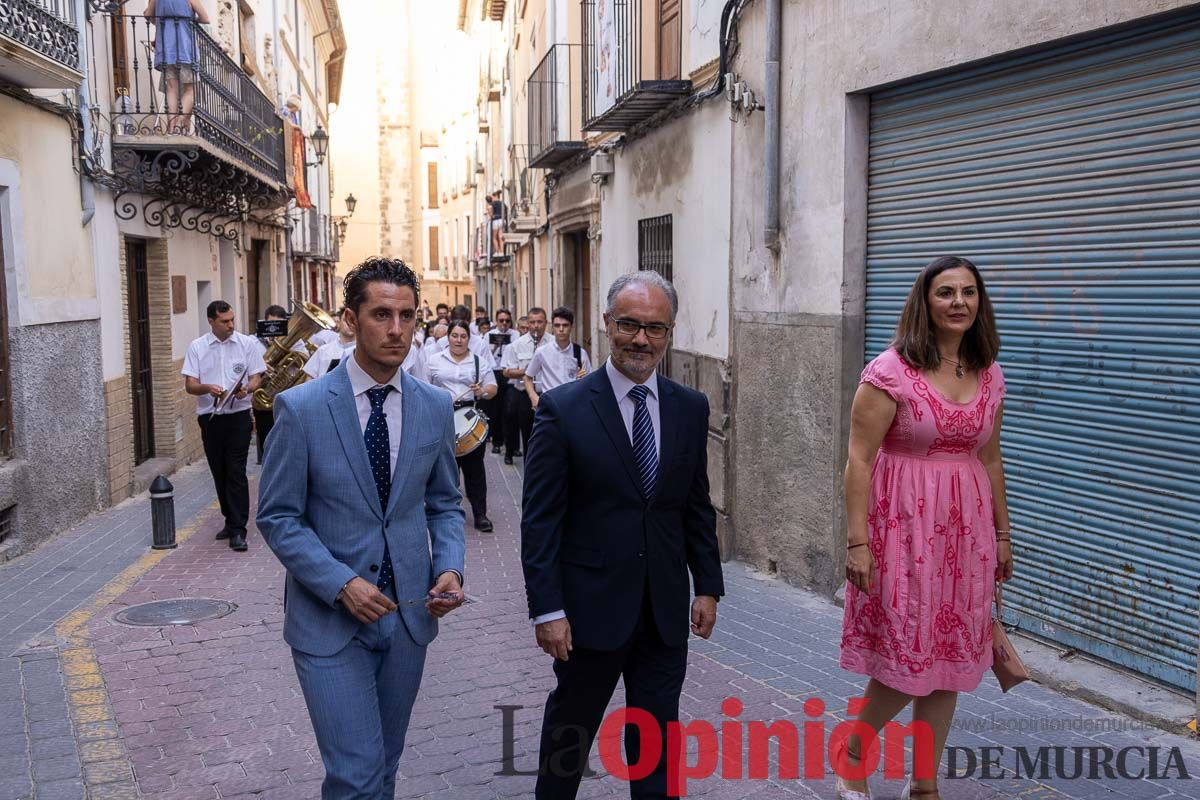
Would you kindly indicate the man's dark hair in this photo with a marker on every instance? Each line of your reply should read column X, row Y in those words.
column 536, row 310
column 440, row 306
column 480, row 308
column 504, row 311
column 483, row 321
column 378, row 268
column 276, row 311
column 562, row 312
column 460, row 312
column 218, row 307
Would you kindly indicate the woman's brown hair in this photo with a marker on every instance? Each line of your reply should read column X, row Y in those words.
column 915, row 339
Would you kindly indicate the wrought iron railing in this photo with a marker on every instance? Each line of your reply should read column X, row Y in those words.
column 555, row 110
column 629, row 64
column 313, row 234
column 229, row 111
column 47, row 27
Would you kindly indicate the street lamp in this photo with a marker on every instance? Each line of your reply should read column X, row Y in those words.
column 320, row 143
column 342, row 222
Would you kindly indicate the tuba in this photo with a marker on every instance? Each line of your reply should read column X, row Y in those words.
column 285, row 366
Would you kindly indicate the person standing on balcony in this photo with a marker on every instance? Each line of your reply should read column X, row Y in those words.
column 497, row 224
column 177, row 56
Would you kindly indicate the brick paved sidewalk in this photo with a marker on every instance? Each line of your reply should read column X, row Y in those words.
column 213, row 710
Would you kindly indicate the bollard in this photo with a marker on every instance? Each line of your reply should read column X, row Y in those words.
column 162, row 513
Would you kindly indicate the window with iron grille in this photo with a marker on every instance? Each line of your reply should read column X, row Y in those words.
column 7, row 518
column 5, row 382
column 654, row 253
column 654, row 245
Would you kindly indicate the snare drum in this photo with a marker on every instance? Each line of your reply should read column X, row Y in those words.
column 470, row 430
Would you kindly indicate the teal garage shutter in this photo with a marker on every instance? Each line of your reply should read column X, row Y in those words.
column 1071, row 176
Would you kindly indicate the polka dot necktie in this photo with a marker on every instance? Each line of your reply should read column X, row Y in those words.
column 379, row 451
column 643, row 441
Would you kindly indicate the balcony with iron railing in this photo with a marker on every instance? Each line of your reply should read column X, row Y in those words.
column 177, row 89
column 39, row 44
column 555, row 108
column 632, row 57
column 313, row 235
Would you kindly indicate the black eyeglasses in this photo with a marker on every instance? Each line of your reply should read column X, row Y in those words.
column 631, row 327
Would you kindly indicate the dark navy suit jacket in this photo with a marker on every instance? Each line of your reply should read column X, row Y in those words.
column 590, row 542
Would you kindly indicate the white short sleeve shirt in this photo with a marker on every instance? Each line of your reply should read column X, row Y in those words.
column 224, row 363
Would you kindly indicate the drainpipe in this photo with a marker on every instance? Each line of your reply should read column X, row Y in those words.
column 771, row 139
column 87, row 192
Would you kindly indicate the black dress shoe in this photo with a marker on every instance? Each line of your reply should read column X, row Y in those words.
column 223, row 533
column 495, row 449
column 508, row 459
column 237, row 541
column 484, row 525
column 517, row 454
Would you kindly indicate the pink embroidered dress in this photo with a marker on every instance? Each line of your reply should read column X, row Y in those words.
column 926, row 623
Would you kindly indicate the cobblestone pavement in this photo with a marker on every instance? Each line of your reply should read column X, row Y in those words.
column 213, row 710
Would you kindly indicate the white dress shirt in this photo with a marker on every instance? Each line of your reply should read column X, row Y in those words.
column 414, row 363
column 621, row 386
column 393, row 405
column 326, row 354
column 518, row 355
column 456, row 377
column 552, row 366
column 324, row 337
column 209, row 360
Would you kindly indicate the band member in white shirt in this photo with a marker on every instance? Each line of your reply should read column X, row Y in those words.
column 562, row 361
column 478, row 345
column 498, row 339
column 469, row 379
column 329, row 355
column 222, row 369
column 519, row 422
column 480, row 313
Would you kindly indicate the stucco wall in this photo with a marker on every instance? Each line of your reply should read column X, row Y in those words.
column 790, row 413
column 681, row 169
column 53, row 270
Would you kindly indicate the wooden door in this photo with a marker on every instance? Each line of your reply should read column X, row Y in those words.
column 670, row 40
column 140, row 375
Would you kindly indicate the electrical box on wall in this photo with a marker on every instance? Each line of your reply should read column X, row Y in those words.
column 602, row 165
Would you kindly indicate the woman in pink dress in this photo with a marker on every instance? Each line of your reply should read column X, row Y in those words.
column 928, row 521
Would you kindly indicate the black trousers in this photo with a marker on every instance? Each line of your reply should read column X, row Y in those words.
column 474, row 475
column 653, row 672
column 519, row 423
column 263, row 422
column 226, row 440
column 497, row 410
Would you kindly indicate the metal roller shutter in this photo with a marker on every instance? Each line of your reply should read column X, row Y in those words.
column 1071, row 176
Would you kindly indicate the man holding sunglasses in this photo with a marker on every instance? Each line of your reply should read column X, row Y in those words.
column 615, row 515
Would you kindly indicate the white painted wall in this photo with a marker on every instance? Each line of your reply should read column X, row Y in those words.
column 701, row 35
column 681, row 169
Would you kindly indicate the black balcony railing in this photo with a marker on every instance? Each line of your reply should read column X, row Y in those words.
column 555, row 107
column 631, row 62
column 173, row 79
column 46, row 27
column 313, row 234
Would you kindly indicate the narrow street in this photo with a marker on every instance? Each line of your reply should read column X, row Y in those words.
column 212, row 710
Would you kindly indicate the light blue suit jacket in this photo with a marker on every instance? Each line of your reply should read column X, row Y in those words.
column 319, row 511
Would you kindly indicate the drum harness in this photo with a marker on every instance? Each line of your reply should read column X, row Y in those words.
column 464, row 403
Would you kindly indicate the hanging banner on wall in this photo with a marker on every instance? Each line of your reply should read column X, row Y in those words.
column 607, row 56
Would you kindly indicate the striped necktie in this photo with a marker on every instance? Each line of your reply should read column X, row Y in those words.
column 644, row 451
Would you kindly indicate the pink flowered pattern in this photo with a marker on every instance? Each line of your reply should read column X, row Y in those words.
column 926, row 623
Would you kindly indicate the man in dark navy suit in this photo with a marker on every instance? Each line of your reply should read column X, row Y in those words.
column 616, row 513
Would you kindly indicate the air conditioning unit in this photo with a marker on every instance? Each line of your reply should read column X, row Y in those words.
column 602, row 165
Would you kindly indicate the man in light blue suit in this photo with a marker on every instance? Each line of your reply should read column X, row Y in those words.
column 359, row 501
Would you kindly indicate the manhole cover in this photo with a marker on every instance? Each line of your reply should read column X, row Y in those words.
column 182, row 611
